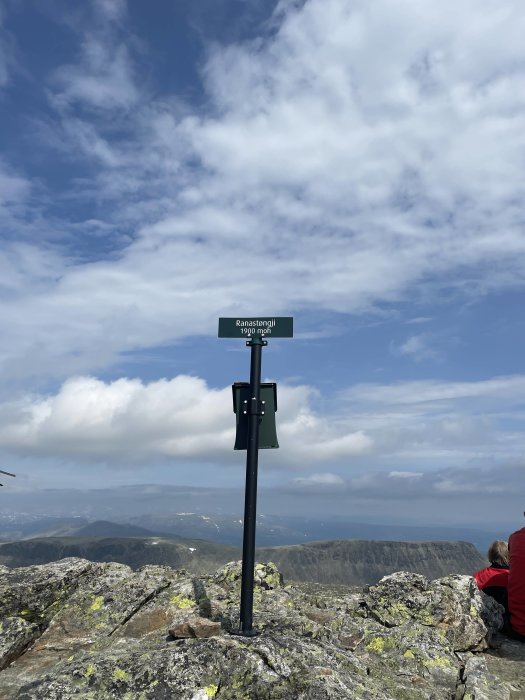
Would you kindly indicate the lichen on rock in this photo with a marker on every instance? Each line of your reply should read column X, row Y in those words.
column 98, row 631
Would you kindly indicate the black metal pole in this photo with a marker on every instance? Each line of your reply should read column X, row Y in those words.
column 250, row 496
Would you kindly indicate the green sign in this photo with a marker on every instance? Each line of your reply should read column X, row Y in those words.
column 266, row 326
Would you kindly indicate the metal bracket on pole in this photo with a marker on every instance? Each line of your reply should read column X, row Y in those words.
column 256, row 340
column 252, row 407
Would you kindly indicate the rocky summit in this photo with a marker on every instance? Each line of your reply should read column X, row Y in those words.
column 79, row 629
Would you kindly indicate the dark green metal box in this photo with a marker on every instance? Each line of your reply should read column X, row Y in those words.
column 267, row 431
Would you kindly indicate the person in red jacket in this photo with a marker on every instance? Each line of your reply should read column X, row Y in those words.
column 516, row 587
column 493, row 579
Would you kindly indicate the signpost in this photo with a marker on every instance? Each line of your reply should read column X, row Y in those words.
column 269, row 327
column 256, row 329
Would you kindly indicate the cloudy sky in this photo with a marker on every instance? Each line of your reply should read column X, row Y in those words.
column 357, row 165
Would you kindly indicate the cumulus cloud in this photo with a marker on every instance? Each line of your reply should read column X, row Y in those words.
column 392, row 169
column 124, row 418
column 181, row 418
column 430, row 433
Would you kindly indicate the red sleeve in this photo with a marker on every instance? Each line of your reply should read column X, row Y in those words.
column 491, row 577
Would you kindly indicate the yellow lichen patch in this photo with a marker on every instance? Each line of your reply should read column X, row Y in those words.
column 90, row 670
column 409, row 654
column 182, row 602
column 438, row 662
column 377, row 644
column 211, row 690
column 120, row 675
column 70, row 658
column 98, row 602
column 399, row 609
column 473, row 611
column 426, row 618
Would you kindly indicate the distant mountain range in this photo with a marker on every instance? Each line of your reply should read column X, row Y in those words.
column 106, row 528
column 348, row 561
column 272, row 530
column 286, row 530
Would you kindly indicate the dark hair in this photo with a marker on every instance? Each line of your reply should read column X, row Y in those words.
column 499, row 553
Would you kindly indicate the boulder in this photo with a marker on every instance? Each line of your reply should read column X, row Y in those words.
column 265, row 576
column 452, row 604
column 195, row 628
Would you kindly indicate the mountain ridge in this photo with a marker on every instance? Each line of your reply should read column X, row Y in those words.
column 353, row 562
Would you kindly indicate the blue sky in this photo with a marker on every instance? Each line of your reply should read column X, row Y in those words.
column 358, row 166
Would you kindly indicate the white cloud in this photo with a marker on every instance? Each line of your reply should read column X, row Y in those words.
column 111, row 9
column 431, row 424
column 356, row 126
column 422, row 491
column 418, row 320
column 417, row 346
column 441, row 483
column 184, row 419
column 125, row 418
column 181, row 418
column 328, row 173
column 507, row 389
column 103, row 79
column 325, row 481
